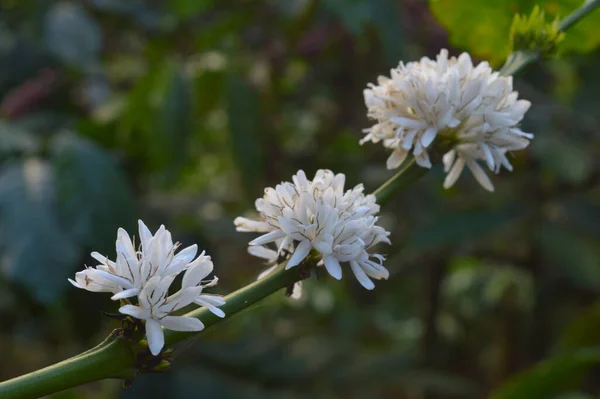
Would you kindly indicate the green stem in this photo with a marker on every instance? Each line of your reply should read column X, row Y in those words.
column 520, row 59
column 240, row 300
column 405, row 177
column 576, row 15
column 111, row 359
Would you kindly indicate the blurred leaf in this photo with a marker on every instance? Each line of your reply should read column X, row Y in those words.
column 584, row 214
column 573, row 395
column 210, row 86
column 458, row 227
column 15, row 140
column 93, row 196
column 243, row 112
column 442, row 383
column 486, row 35
column 565, row 156
column 474, row 288
column 177, row 119
column 549, row 377
column 187, row 8
column 386, row 18
column 72, row 35
column 36, row 251
column 43, row 122
column 30, row 60
column 574, row 256
column 353, row 13
column 147, row 15
column 582, row 331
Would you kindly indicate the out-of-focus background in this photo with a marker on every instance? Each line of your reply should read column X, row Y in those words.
column 181, row 112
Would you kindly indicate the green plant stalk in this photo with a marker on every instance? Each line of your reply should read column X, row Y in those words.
column 110, row 359
column 397, row 183
column 578, row 14
column 240, row 300
column 520, row 59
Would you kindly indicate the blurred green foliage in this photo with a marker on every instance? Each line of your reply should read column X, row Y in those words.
column 489, row 23
column 181, row 112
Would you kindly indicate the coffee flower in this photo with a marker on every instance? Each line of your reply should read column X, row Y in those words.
column 147, row 273
column 338, row 226
column 155, row 305
column 469, row 111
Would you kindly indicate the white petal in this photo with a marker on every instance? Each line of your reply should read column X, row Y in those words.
column 454, row 173
column 213, row 299
column 182, row 323
column 297, row 290
column 262, row 252
column 300, row 253
column 448, row 160
column 408, row 123
column 213, row 309
column 248, row 225
column 124, row 244
column 182, row 259
column 333, row 267
column 74, row 283
column 103, row 260
column 361, row 276
column 125, row 294
column 135, row 311
column 145, row 235
column 480, row 176
column 267, row 238
column 396, row 158
column 489, row 158
column 428, row 136
column 194, row 275
column 156, row 338
column 109, row 277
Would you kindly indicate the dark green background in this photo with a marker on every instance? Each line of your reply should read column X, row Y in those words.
column 181, row 112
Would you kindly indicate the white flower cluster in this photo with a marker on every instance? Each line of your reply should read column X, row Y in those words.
column 472, row 107
column 148, row 273
column 319, row 215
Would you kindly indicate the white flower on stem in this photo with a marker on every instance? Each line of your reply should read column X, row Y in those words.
column 156, row 305
column 148, row 273
column 472, row 108
column 127, row 276
column 319, row 215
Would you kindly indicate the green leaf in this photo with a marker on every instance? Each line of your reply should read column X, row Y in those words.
column 36, row 251
column 573, row 395
column 72, row 35
column 583, row 213
column 566, row 157
column 382, row 15
column 457, row 227
column 177, row 119
column 353, row 13
column 549, row 377
column 245, row 130
column 93, row 196
column 573, row 255
column 15, row 140
column 386, row 19
column 187, row 8
column 482, row 27
column 582, row 331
